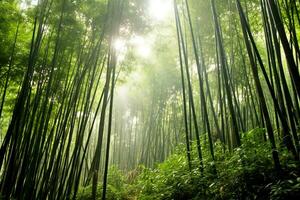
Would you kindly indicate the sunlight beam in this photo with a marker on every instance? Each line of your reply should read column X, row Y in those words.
column 160, row 9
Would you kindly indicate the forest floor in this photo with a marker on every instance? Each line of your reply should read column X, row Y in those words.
column 244, row 173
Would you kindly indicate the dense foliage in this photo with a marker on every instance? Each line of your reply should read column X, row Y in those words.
column 246, row 173
column 149, row 99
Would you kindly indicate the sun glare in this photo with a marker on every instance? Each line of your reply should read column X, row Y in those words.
column 122, row 91
column 26, row 4
column 121, row 49
column 141, row 45
column 160, row 9
column 120, row 45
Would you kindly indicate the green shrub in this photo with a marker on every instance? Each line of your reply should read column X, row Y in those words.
column 286, row 189
column 245, row 173
column 115, row 188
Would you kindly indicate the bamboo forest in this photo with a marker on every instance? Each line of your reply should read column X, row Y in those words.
column 149, row 99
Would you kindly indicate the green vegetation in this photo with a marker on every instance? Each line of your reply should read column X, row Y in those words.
column 246, row 173
column 149, row 99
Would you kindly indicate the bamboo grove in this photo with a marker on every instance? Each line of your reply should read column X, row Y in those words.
column 226, row 68
column 43, row 152
column 268, row 97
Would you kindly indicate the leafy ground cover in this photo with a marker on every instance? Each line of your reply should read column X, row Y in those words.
column 245, row 173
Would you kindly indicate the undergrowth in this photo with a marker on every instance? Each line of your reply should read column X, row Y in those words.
column 245, row 173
